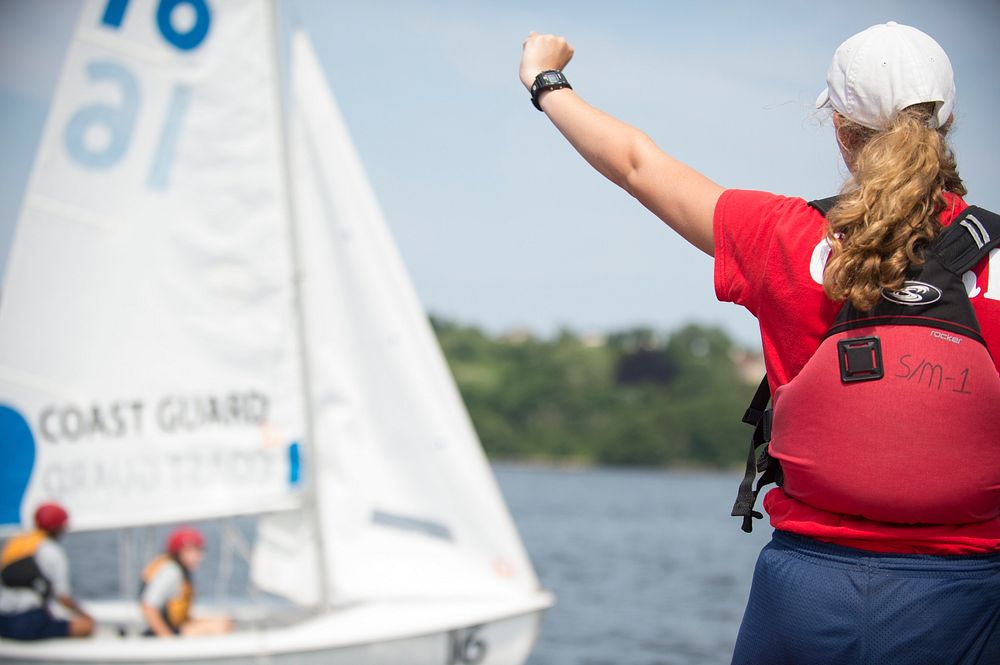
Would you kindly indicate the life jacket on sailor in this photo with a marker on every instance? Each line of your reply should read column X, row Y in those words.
column 18, row 567
column 176, row 611
column 895, row 417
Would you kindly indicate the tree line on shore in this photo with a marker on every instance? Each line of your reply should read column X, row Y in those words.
column 635, row 397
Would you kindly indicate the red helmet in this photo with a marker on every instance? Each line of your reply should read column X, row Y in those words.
column 182, row 537
column 51, row 517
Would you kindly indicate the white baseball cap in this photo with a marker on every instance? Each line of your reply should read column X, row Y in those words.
column 884, row 69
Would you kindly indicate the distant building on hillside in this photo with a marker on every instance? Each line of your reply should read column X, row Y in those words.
column 750, row 364
column 517, row 335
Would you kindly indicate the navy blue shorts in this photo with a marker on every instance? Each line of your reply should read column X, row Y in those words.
column 817, row 604
column 32, row 625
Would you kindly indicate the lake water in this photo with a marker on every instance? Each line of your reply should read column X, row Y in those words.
column 647, row 566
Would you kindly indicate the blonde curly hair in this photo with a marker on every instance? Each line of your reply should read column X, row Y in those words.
column 887, row 213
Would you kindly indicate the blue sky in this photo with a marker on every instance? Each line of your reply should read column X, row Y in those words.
column 498, row 220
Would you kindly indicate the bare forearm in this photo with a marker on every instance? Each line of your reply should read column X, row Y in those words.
column 608, row 144
column 673, row 191
column 677, row 194
column 70, row 604
column 155, row 621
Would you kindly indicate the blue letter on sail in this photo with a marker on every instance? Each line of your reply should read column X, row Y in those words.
column 17, row 447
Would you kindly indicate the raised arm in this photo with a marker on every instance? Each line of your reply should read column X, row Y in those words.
column 671, row 190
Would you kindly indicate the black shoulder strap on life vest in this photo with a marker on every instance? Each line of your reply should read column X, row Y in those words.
column 968, row 239
column 825, row 205
column 962, row 244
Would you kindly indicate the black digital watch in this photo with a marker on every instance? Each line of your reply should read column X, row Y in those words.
column 550, row 79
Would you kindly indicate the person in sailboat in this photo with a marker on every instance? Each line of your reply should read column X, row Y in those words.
column 906, row 581
column 166, row 596
column 34, row 574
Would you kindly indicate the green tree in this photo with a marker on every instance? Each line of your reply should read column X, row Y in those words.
column 638, row 397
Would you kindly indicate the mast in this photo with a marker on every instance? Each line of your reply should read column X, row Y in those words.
column 311, row 503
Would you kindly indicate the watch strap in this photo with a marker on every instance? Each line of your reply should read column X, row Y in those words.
column 550, row 79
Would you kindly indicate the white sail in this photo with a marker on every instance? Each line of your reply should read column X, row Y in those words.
column 407, row 504
column 148, row 356
column 164, row 287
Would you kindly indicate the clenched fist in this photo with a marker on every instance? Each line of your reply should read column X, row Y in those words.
column 543, row 52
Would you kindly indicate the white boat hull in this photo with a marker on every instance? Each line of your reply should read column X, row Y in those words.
column 462, row 632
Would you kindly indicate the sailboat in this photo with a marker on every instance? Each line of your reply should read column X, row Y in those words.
column 204, row 315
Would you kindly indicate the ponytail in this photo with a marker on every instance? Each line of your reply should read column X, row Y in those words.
column 887, row 213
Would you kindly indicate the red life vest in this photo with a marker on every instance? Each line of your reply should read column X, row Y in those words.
column 896, row 416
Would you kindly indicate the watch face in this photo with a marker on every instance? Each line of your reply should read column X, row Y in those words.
column 550, row 77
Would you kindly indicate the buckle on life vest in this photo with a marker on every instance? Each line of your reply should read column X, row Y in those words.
column 860, row 359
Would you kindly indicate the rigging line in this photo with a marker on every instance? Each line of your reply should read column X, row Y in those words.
column 284, row 88
column 225, row 569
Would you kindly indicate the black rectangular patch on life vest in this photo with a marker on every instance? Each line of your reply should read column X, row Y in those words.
column 860, row 359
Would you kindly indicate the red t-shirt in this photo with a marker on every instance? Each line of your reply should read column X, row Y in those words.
column 770, row 253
